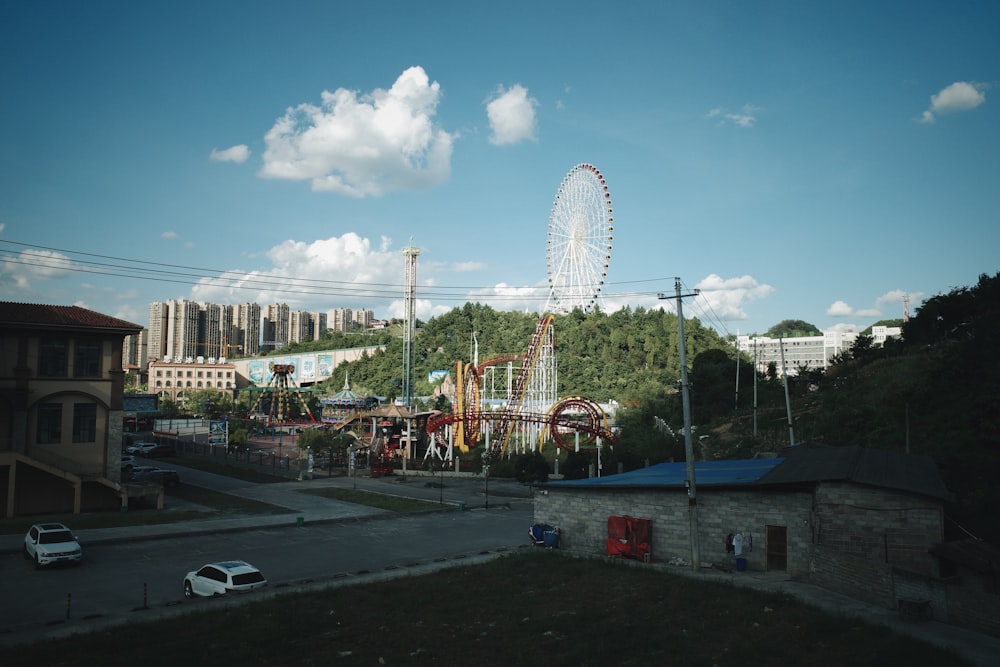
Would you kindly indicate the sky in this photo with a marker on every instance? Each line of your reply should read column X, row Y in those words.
column 819, row 161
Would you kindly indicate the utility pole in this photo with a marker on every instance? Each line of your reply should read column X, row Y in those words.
column 755, row 373
column 409, row 325
column 688, row 443
column 788, row 402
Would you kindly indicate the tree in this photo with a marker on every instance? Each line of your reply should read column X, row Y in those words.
column 793, row 329
column 531, row 468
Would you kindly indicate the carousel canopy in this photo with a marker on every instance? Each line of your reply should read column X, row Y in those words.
column 345, row 398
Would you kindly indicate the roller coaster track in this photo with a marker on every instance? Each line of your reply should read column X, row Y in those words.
column 513, row 409
column 565, row 422
column 569, row 417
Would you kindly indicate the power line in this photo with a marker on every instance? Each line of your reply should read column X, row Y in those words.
column 121, row 267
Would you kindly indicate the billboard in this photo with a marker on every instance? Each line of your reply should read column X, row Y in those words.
column 140, row 403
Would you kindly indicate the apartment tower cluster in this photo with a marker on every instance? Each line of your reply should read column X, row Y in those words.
column 182, row 329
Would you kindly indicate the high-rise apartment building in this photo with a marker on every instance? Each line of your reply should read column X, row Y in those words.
column 364, row 317
column 159, row 315
column 319, row 326
column 183, row 335
column 299, row 326
column 247, row 329
column 276, row 327
column 340, row 319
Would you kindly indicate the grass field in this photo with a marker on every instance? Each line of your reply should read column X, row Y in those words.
column 536, row 607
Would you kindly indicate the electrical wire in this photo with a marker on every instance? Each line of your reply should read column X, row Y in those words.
column 76, row 261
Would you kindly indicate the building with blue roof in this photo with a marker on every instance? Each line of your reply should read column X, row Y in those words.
column 854, row 520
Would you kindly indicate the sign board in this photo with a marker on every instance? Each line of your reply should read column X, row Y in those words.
column 140, row 403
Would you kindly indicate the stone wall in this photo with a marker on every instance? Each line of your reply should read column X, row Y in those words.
column 878, row 525
column 582, row 514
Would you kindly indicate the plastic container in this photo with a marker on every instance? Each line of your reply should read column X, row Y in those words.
column 741, row 564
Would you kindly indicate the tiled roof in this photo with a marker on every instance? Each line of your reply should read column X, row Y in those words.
column 802, row 464
column 40, row 316
column 706, row 473
column 813, row 462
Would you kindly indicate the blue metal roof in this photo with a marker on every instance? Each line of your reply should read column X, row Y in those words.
column 706, row 473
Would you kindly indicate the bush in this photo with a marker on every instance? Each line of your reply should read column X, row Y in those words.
column 577, row 465
column 531, row 468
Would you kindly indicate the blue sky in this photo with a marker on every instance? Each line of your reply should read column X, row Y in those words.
column 791, row 160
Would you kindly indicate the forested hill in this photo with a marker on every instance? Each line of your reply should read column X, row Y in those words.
column 617, row 356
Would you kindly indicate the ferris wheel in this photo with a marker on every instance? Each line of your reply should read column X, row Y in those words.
column 578, row 248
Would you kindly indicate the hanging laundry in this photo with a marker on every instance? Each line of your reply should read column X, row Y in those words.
column 729, row 543
column 738, row 544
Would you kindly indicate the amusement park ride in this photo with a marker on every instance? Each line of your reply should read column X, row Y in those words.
column 278, row 390
column 571, row 423
column 578, row 252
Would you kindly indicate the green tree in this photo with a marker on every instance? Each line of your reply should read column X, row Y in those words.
column 793, row 329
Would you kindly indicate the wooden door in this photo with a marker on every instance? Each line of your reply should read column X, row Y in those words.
column 776, row 547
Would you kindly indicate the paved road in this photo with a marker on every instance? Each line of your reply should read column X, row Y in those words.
column 334, row 543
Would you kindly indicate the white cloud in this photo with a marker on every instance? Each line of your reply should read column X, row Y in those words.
column 843, row 327
column 840, row 309
column 345, row 269
column 895, row 298
column 168, row 235
column 512, row 116
column 465, row 267
column 725, row 298
column 19, row 272
column 237, row 154
column 959, row 96
column 507, row 297
column 746, row 117
column 364, row 144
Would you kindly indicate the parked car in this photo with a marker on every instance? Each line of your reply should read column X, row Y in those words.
column 138, row 471
column 140, row 448
column 128, row 464
column 233, row 576
column 162, row 476
column 161, row 449
column 52, row 543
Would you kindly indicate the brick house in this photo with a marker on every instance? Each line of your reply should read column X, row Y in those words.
column 859, row 521
column 61, row 396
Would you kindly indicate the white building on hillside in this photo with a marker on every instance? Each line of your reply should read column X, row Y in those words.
column 804, row 353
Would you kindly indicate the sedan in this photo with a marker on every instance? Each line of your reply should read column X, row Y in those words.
column 232, row 576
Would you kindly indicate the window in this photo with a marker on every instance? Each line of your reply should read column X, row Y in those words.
column 87, row 360
column 49, row 423
column 84, row 422
column 52, row 358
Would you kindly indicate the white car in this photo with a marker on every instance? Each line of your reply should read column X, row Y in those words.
column 232, row 576
column 141, row 448
column 51, row 543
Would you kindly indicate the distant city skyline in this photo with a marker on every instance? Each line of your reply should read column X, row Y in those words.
column 187, row 329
